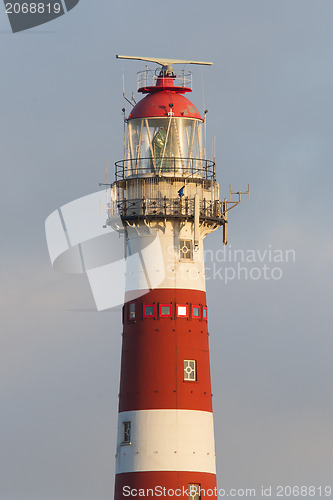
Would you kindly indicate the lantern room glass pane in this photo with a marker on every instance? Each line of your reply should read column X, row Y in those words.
column 162, row 145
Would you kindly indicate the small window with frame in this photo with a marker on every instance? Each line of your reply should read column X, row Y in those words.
column 190, row 370
column 126, row 433
column 149, row 310
column 165, row 310
column 132, row 311
column 194, row 492
column 185, row 249
column 182, row 310
column 205, row 313
column 196, row 312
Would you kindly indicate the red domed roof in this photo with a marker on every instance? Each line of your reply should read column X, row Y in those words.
column 157, row 104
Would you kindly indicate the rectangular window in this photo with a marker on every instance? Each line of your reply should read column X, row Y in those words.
column 195, row 311
column 126, row 433
column 185, row 249
column 194, row 491
column 190, row 369
column 165, row 310
column 149, row 311
column 205, row 313
column 132, row 310
column 182, row 311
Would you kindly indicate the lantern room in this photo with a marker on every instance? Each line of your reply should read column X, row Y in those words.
column 165, row 134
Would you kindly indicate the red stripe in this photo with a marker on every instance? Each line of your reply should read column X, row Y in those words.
column 157, row 481
column 153, row 354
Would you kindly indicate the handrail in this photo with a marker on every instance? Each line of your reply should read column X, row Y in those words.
column 148, row 78
column 172, row 167
column 164, row 207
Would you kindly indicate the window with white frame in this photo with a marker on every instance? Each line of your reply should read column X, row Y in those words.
column 194, row 491
column 185, row 249
column 190, row 369
column 126, row 433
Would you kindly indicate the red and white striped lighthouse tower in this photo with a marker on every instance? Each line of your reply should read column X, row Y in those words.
column 168, row 199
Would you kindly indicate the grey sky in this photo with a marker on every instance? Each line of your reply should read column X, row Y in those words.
column 269, row 96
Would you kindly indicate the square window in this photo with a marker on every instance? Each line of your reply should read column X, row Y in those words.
column 190, row 370
column 205, row 313
column 165, row 310
column 182, row 311
column 195, row 311
column 194, row 491
column 126, row 433
column 132, row 310
column 185, row 249
column 149, row 311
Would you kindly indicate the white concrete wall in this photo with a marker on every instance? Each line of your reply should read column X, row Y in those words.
column 158, row 263
column 168, row 440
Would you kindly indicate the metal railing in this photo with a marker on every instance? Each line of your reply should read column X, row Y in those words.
column 164, row 207
column 148, row 78
column 168, row 166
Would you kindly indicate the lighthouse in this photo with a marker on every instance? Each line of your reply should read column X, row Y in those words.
column 165, row 192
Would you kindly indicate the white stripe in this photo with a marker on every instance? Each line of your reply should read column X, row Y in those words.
column 167, row 440
column 160, row 265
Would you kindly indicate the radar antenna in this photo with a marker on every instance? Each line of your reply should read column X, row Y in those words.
column 165, row 63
